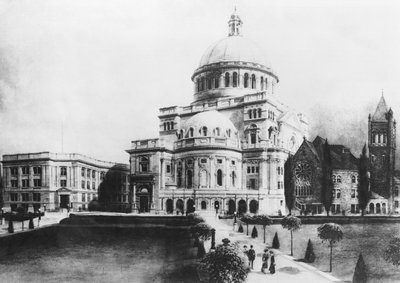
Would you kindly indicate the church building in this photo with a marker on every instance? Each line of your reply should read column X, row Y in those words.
column 227, row 149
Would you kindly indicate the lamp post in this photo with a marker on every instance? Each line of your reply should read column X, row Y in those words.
column 234, row 221
column 212, row 239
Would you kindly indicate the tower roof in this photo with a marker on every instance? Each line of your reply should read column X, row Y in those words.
column 381, row 110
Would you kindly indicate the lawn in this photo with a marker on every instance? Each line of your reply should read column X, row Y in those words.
column 368, row 239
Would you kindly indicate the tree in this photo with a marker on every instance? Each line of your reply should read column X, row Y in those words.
column 292, row 223
column 309, row 256
column 290, row 196
column 332, row 233
column 247, row 219
column 326, row 182
column 392, row 252
column 226, row 264
column 363, row 184
column 240, row 230
column 263, row 220
column 201, row 231
column 275, row 242
column 254, row 233
column 360, row 272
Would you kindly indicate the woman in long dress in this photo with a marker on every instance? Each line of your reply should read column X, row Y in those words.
column 272, row 262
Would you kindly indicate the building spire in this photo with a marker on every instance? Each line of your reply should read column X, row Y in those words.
column 235, row 24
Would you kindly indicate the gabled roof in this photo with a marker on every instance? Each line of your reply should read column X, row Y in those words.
column 290, row 118
column 380, row 112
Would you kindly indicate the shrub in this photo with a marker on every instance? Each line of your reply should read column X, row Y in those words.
column 240, row 230
column 275, row 241
column 360, row 272
column 20, row 210
column 10, row 227
column 254, row 233
column 201, row 231
column 201, row 251
column 31, row 226
column 309, row 256
column 392, row 252
column 226, row 264
column 94, row 205
column 194, row 218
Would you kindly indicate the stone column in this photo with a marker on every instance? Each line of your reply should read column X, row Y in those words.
column 162, row 177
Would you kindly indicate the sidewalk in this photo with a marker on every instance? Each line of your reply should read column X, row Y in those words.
column 287, row 270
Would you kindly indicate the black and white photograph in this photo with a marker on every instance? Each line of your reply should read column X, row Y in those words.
column 199, row 141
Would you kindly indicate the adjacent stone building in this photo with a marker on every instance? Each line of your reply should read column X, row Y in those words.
column 226, row 150
column 56, row 180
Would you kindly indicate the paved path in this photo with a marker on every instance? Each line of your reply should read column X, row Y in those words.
column 287, row 270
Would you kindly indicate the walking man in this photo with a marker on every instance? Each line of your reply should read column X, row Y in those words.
column 251, row 256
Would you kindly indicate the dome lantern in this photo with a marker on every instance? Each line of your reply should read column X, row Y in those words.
column 235, row 24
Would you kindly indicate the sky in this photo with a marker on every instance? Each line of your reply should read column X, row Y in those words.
column 89, row 76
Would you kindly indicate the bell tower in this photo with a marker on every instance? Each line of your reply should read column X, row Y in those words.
column 382, row 150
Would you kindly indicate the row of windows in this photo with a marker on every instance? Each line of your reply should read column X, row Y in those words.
column 279, row 170
column 210, row 82
column 83, row 183
column 24, row 197
column 271, row 115
column 254, row 113
column 89, row 173
column 203, row 178
column 338, row 179
column 252, row 169
column 168, row 126
column 204, row 132
column 303, row 190
column 25, row 183
column 25, row 170
column 88, row 197
column 379, row 138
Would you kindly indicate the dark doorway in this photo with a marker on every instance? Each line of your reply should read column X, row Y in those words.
column 190, row 206
column 143, row 204
column 169, row 205
column 179, row 206
column 242, row 206
column 231, row 206
column 64, row 201
column 253, row 206
column 203, row 205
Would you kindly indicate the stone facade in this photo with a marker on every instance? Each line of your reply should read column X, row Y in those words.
column 55, row 180
column 227, row 149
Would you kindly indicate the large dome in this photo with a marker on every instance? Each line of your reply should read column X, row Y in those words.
column 233, row 49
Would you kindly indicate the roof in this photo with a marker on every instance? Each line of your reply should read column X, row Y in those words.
column 211, row 119
column 381, row 110
column 342, row 158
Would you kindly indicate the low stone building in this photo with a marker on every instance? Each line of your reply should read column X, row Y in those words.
column 56, row 180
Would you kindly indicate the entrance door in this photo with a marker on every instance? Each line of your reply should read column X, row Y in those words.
column 143, row 204
column 64, row 201
column 190, row 206
column 231, row 206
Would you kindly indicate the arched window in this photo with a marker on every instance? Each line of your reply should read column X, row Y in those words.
column 254, row 113
column 217, row 132
column 216, row 81
column 250, row 113
column 172, row 125
column 353, row 179
column 246, row 80
column 209, row 83
column 202, row 84
column 376, row 138
column 191, row 132
column 228, row 133
column 253, row 81
column 253, row 137
column 266, row 83
column 203, row 205
column 227, row 79
column 337, row 193
column 189, row 176
column 233, row 178
column 384, row 139
column 165, row 126
column 334, row 178
column 144, row 164
column 262, row 83
column 379, row 138
column 204, row 131
column 181, row 134
column 259, row 112
column 235, row 79
column 219, row 177
column 198, row 84
column 339, row 179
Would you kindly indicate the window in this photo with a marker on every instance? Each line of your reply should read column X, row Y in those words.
column 219, row 161
column 102, row 176
column 88, row 185
column 25, row 170
column 13, row 197
column 83, row 197
column 25, row 183
column 93, row 174
column 14, row 171
column 63, row 171
column 235, row 80
column 203, row 160
column 246, row 80
column 227, row 79
column 202, row 87
column 190, row 161
column 88, row 173
column 396, row 191
column 189, row 178
column 83, row 172
column 216, row 82
column 396, row 204
column 337, row 193
column 334, row 178
column 37, row 170
column 83, row 184
column 252, row 184
column 262, row 83
column 37, row 182
column 63, row 183
column 253, row 137
column 36, row 196
column 353, row 179
column 204, row 131
column 339, row 179
column 191, row 132
column 217, row 132
column 144, row 164
column 219, row 177
column 233, row 162
column 209, row 83
column 168, row 168
column 259, row 112
column 93, row 185
column 14, row 183
column 25, row 197
column 383, row 159
column 253, row 81
column 280, row 185
column 233, row 178
column 250, row 113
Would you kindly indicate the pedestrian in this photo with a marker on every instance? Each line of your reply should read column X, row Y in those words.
column 272, row 266
column 251, row 256
column 245, row 250
column 265, row 258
